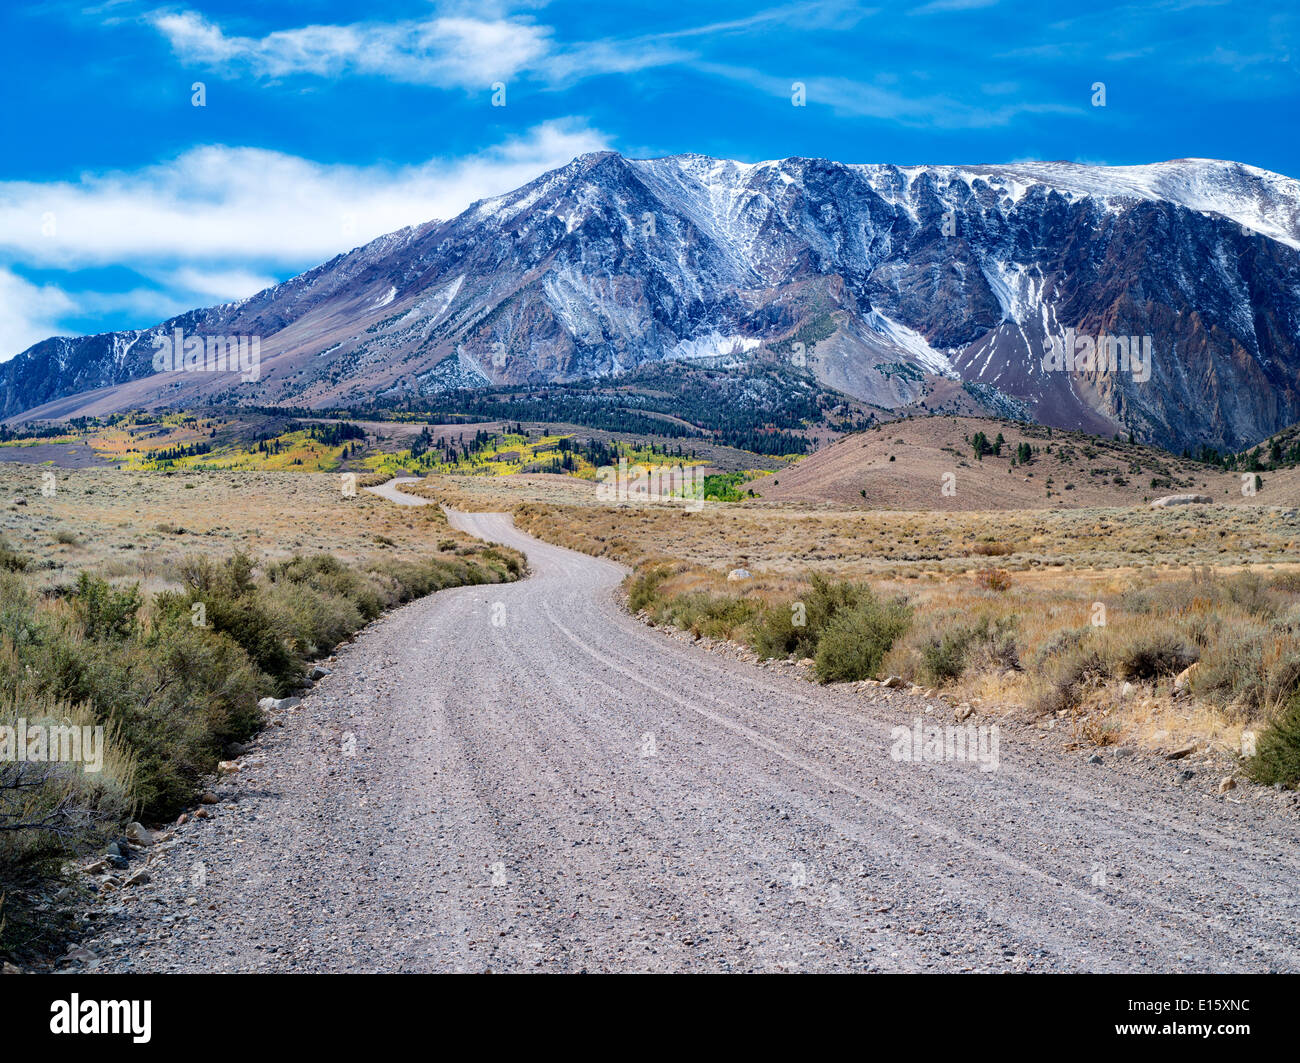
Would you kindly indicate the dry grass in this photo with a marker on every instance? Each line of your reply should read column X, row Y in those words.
column 141, row 525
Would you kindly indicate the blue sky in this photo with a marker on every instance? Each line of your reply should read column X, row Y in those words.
column 326, row 124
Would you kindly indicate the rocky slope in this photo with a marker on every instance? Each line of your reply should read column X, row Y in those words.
column 884, row 280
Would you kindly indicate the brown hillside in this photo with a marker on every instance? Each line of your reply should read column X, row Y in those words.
column 1068, row 470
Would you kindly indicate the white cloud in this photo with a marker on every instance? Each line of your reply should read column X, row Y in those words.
column 225, row 285
column 28, row 312
column 860, row 99
column 448, row 52
column 218, row 223
column 250, row 206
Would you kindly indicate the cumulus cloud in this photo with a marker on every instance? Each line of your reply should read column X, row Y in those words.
column 251, row 205
column 219, row 223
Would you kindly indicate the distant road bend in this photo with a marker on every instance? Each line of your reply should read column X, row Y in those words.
column 541, row 782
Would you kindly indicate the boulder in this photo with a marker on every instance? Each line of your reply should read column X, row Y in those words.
column 738, row 574
column 1181, row 500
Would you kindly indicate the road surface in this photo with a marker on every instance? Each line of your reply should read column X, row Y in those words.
column 522, row 777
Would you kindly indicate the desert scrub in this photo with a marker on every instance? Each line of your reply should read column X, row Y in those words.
column 944, row 646
column 50, row 811
column 719, row 616
column 855, row 641
column 174, row 679
column 795, row 628
column 1277, row 750
column 643, row 587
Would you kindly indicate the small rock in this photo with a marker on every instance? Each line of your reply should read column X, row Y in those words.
column 806, row 662
column 893, row 682
column 78, row 954
column 208, row 798
column 1127, row 690
column 1096, row 758
column 227, row 767
column 182, row 819
column 139, row 878
column 19, row 500
column 963, row 711
column 137, row 834
column 319, row 673
column 1187, row 750
column 1227, row 783
column 9, row 968
column 738, row 574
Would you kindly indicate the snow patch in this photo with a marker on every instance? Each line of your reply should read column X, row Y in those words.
column 913, row 343
column 711, row 345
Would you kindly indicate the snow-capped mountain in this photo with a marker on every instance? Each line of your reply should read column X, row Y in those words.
column 881, row 278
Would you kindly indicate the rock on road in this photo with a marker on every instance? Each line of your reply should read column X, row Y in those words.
column 540, row 782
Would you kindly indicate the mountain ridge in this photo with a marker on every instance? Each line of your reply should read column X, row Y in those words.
column 606, row 263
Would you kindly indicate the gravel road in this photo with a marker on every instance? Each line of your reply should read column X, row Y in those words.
column 540, row 782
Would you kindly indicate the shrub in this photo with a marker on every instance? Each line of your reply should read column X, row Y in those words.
column 103, row 611
column 1150, row 654
column 855, row 641
column 10, row 559
column 993, row 579
column 171, row 695
column 49, row 812
column 644, row 587
column 1073, row 671
column 778, row 632
column 1277, row 750
column 956, row 647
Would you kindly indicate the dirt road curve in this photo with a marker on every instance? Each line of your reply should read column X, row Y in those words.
column 542, row 783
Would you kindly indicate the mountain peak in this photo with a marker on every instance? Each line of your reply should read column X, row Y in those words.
column 889, row 283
